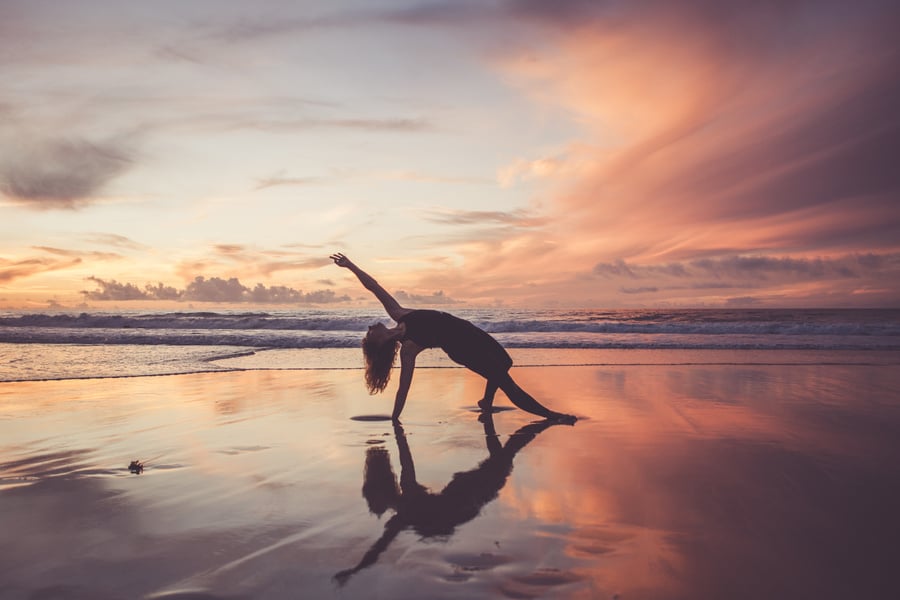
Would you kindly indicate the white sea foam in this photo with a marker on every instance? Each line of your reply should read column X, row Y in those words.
column 140, row 343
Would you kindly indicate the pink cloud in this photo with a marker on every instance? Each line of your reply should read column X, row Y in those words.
column 764, row 134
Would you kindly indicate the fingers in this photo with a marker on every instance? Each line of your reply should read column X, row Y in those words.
column 338, row 258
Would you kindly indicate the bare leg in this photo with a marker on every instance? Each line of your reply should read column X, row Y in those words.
column 520, row 398
column 486, row 403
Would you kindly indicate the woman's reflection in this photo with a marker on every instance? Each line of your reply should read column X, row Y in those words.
column 427, row 513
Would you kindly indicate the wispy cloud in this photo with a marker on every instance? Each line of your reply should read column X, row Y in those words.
column 517, row 217
column 59, row 259
column 249, row 261
column 281, row 180
column 430, row 14
column 115, row 240
column 617, row 268
column 345, row 175
column 11, row 270
column 756, row 268
column 260, row 118
column 779, row 277
column 92, row 255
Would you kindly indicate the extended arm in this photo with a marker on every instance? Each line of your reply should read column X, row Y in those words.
column 390, row 304
column 408, row 352
column 393, row 527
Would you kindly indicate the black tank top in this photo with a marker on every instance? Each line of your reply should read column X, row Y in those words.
column 463, row 342
column 431, row 328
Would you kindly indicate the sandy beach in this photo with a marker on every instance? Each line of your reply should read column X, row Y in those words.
column 679, row 481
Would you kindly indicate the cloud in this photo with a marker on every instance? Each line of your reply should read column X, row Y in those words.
column 617, row 268
column 686, row 144
column 269, row 267
column 214, row 289
column 161, row 291
column 394, row 124
column 524, row 169
column 79, row 253
column 114, row 240
column 730, row 133
column 434, row 298
column 113, row 290
column 279, row 180
column 262, row 119
column 60, row 173
column 764, row 267
column 718, row 144
column 749, row 268
column 324, row 297
column 844, row 280
column 229, row 249
column 743, row 301
column 12, row 270
column 248, row 261
column 59, row 259
column 517, row 217
column 344, row 175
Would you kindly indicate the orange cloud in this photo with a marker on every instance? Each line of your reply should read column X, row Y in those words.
column 229, row 260
column 10, row 270
column 750, row 136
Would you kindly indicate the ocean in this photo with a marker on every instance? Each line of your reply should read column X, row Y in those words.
column 717, row 454
column 122, row 343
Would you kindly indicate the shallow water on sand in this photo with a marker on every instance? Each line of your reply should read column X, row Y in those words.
column 679, row 481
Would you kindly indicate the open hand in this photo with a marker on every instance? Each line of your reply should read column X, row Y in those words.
column 340, row 260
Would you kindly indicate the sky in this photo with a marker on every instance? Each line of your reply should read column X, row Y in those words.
column 572, row 154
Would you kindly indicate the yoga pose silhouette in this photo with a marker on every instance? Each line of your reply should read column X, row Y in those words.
column 417, row 330
column 432, row 514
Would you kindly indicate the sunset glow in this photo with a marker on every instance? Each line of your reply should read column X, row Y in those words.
column 583, row 154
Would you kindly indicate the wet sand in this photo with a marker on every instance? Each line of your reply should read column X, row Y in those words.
column 680, row 481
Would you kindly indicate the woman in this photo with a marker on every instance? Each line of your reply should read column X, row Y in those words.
column 417, row 330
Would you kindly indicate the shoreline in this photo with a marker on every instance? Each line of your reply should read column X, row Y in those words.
column 104, row 362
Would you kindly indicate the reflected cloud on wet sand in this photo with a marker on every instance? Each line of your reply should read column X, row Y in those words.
column 702, row 481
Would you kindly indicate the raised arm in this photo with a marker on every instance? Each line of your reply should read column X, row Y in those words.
column 390, row 304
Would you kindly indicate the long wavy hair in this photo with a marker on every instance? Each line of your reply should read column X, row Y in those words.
column 380, row 487
column 380, row 359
